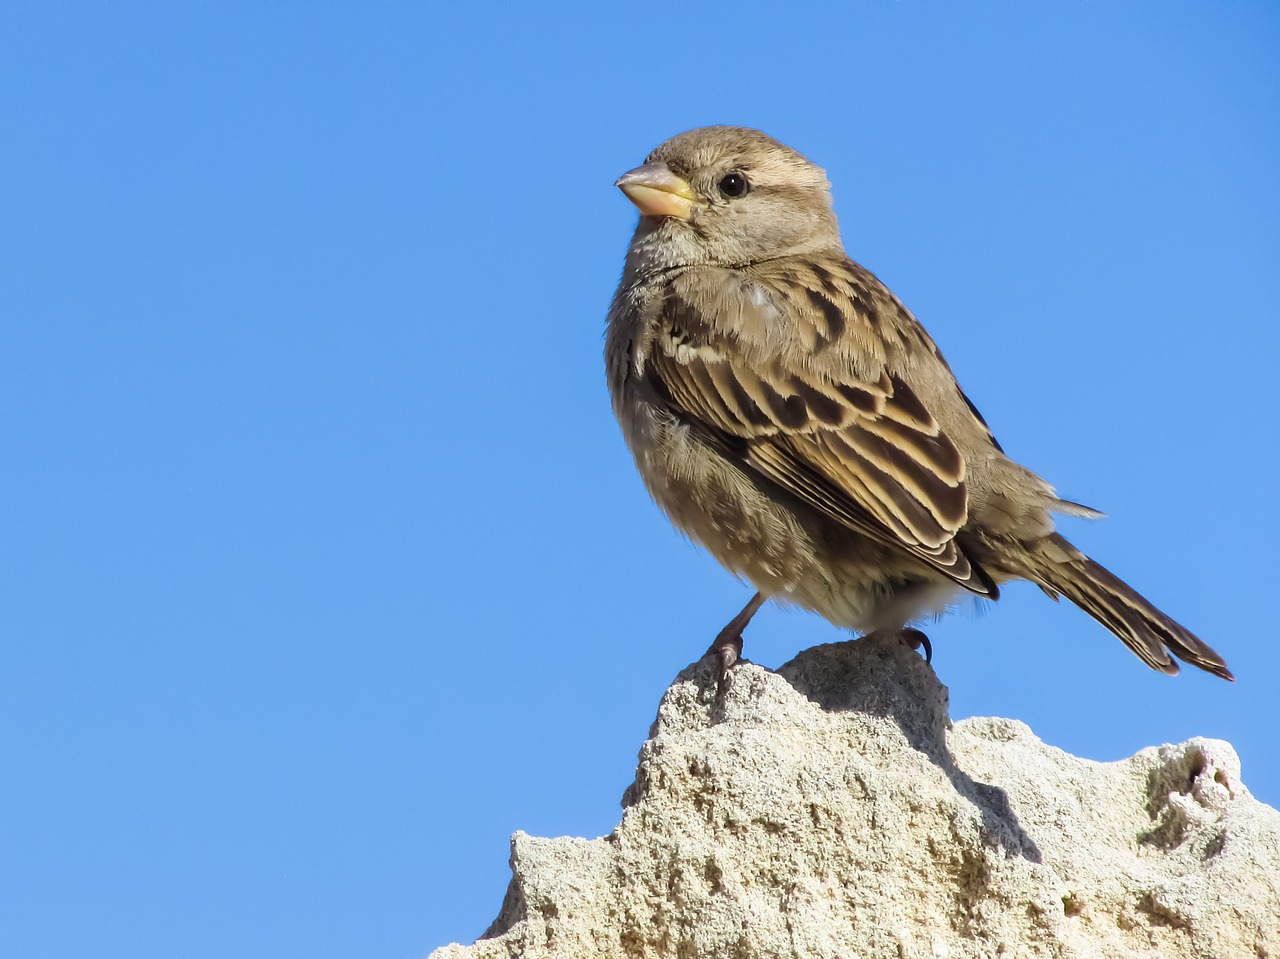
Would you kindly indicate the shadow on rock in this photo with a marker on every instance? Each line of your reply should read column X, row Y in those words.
column 883, row 677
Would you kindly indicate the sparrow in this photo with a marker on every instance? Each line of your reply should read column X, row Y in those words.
column 789, row 414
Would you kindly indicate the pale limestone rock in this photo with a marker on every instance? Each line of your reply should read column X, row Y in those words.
column 831, row 810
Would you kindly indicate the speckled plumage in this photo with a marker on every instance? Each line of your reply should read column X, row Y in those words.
column 788, row 413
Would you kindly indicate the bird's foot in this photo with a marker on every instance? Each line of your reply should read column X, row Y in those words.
column 917, row 640
column 727, row 648
column 912, row 637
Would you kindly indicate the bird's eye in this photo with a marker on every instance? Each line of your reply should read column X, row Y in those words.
column 734, row 185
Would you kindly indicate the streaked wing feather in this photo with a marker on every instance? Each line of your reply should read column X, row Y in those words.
column 866, row 453
column 811, row 485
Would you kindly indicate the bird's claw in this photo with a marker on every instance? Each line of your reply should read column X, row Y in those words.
column 917, row 640
column 726, row 650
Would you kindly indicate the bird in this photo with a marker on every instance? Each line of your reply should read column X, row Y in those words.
column 789, row 414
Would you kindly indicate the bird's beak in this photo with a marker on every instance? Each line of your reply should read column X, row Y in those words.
column 656, row 191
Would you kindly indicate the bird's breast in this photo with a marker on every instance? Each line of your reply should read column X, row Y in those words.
column 712, row 500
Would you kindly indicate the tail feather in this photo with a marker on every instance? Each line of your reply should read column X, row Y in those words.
column 1123, row 610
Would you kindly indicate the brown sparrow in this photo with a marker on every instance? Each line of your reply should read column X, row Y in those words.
column 788, row 413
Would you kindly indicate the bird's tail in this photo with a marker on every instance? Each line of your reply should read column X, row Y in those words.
column 1122, row 609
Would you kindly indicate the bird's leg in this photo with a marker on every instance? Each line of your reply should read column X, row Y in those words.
column 728, row 645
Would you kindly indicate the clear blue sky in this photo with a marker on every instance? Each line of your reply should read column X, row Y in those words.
column 324, row 566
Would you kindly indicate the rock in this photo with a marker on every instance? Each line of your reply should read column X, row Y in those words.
column 830, row 809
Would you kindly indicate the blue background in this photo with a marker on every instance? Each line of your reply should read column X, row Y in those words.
column 324, row 566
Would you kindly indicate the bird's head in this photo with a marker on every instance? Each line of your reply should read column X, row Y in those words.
column 727, row 196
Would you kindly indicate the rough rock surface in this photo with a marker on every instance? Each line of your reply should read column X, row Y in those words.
column 830, row 809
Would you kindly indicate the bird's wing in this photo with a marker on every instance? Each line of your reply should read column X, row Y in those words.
column 860, row 447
